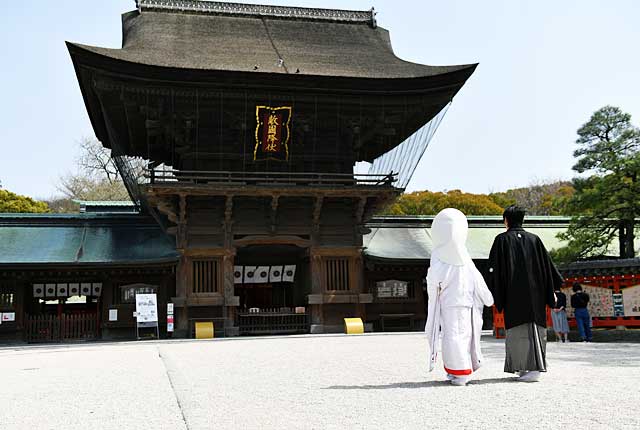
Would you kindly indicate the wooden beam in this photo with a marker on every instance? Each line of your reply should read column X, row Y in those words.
column 267, row 191
column 181, row 230
column 317, row 212
column 227, row 224
column 274, row 212
column 362, row 203
column 272, row 240
column 165, row 206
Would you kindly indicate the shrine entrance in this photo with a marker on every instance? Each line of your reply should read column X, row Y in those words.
column 58, row 312
column 272, row 283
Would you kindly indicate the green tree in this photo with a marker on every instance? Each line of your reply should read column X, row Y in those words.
column 430, row 203
column 539, row 198
column 607, row 200
column 14, row 203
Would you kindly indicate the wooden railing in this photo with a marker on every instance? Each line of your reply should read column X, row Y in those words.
column 269, row 178
column 53, row 328
column 274, row 322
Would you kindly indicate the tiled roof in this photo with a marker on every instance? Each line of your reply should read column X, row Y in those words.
column 264, row 39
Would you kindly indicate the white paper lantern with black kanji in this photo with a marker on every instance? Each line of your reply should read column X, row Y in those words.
column 62, row 290
column 250, row 274
column 85, row 289
column 262, row 274
column 289, row 273
column 96, row 289
column 73, row 290
column 237, row 274
column 275, row 274
column 50, row 290
column 38, row 290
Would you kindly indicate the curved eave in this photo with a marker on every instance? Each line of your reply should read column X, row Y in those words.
column 88, row 61
column 105, row 60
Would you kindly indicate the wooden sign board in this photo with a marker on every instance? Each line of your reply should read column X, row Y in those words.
column 631, row 299
column 392, row 289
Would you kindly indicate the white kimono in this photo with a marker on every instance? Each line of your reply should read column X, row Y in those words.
column 457, row 293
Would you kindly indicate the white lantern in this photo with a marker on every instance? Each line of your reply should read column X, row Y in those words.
column 96, row 289
column 50, row 290
column 238, row 272
column 73, row 290
column 38, row 290
column 85, row 289
column 62, row 290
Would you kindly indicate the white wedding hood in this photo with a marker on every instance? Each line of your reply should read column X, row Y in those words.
column 449, row 235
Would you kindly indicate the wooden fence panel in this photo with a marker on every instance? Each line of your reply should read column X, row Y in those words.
column 51, row 328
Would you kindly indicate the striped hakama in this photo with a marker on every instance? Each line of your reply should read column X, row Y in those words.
column 526, row 348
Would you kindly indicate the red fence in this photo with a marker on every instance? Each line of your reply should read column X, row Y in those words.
column 601, row 289
column 605, row 308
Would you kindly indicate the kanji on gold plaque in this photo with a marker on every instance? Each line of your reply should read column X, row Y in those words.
column 272, row 133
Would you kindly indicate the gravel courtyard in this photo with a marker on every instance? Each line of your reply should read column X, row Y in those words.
column 376, row 381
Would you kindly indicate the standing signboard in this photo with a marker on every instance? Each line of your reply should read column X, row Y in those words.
column 147, row 312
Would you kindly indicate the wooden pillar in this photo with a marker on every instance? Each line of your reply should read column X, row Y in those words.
column 19, row 306
column 231, row 301
column 317, row 291
column 180, row 301
column 357, row 286
column 182, row 271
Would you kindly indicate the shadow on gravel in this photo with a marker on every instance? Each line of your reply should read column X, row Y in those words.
column 423, row 384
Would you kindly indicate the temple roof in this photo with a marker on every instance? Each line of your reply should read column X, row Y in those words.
column 82, row 239
column 199, row 35
column 408, row 239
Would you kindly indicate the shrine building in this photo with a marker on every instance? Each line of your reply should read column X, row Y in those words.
column 253, row 211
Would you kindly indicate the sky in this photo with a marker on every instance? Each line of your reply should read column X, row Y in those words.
column 545, row 67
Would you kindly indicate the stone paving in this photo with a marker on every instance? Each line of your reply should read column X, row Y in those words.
column 308, row 382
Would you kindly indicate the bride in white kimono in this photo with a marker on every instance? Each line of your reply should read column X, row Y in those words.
column 457, row 293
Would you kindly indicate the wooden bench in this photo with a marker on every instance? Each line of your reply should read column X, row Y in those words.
column 385, row 318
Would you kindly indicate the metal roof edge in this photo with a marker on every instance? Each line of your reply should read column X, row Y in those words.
column 126, row 203
column 127, row 263
column 76, row 219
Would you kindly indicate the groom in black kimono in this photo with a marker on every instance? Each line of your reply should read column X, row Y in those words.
column 522, row 280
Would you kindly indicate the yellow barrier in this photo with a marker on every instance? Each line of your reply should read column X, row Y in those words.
column 204, row 330
column 353, row 326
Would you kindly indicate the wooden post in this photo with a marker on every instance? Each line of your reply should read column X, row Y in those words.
column 357, row 283
column 182, row 311
column 316, row 310
column 230, row 300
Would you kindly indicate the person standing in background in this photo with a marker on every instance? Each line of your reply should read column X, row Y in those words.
column 559, row 317
column 579, row 302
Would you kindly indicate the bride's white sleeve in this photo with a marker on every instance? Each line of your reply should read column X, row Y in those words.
column 482, row 295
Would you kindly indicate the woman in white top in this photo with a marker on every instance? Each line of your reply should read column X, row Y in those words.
column 457, row 293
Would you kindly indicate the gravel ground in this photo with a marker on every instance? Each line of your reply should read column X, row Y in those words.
column 308, row 382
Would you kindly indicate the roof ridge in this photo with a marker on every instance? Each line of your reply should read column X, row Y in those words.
column 227, row 8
